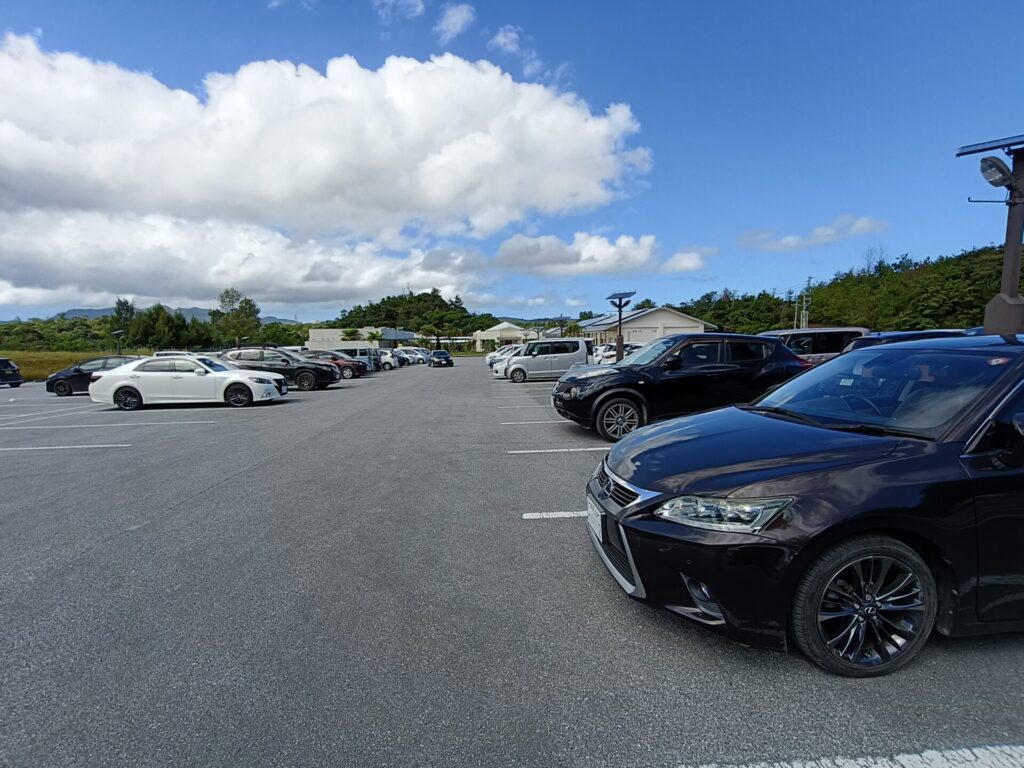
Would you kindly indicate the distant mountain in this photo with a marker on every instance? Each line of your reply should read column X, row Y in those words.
column 187, row 312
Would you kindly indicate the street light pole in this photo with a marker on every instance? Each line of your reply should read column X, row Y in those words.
column 620, row 301
column 1004, row 313
column 117, row 337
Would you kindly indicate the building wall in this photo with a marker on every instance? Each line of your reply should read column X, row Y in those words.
column 653, row 325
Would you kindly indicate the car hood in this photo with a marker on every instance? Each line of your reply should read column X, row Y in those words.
column 723, row 450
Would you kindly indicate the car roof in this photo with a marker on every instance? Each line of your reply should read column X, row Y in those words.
column 717, row 336
column 780, row 331
column 1004, row 345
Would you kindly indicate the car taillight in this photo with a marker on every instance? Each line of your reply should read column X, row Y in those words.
column 94, row 377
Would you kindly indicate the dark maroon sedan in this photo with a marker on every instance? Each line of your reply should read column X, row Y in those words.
column 348, row 366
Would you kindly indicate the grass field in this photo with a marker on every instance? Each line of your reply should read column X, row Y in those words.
column 36, row 366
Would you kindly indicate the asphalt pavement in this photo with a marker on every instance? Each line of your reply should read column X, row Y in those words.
column 346, row 578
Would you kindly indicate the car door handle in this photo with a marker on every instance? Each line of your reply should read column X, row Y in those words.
column 177, row 376
column 134, row 376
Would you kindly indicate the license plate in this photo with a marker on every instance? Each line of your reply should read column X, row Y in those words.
column 284, row 390
column 594, row 518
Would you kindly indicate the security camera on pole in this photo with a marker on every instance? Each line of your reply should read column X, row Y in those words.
column 620, row 301
column 1004, row 314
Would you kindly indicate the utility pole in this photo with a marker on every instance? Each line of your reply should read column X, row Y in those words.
column 805, row 312
column 620, row 301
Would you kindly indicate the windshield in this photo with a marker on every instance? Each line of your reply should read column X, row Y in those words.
column 650, row 353
column 919, row 392
column 291, row 356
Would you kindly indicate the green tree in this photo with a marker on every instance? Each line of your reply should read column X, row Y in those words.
column 645, row 304
column 350, row 334
column 237, row 317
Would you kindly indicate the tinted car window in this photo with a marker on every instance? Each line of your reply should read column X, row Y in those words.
column 91, row 365
column 747, row 351
column 157, row 366
column 831, row 343
column 248, row 354
column 115, row 362
column 700, row 353
column 274, row 357
column 185, row 366
column 564, row 347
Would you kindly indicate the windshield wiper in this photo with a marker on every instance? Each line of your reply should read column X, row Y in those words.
column 878, row 429
column 783, row 412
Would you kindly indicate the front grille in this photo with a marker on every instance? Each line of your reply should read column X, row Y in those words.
column 616, row 491
column 279, row 383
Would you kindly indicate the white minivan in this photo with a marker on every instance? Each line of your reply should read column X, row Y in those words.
column 549, row 358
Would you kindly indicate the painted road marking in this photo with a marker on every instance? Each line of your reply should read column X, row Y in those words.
column 58, row 411
column 22, row 420
column 978, row 757
column 67, row 447
column 105, row 426
column 516, row 397
column 550, row 515
column 513, row 423
column 502, row 407
column 560, row 450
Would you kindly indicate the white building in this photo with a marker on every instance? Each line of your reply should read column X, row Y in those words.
column 642, row 325
column 501, row 334
column 332, row 338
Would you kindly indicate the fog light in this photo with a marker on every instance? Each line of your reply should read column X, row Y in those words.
column 703, row 597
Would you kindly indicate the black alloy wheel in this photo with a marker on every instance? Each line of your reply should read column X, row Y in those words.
column 865, row 607
column 15, row 385
column 306, row 381
column 346, row 372
column 617, row 417
column 518, row 376
column 61, row 388
column 238, row 396
column 128, row 399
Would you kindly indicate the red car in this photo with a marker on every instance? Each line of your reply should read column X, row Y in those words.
column 348, row 367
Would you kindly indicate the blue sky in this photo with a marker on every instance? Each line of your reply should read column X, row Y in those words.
column 762, row 121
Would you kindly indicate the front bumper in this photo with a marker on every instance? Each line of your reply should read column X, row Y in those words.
column 572, row 409
column 732, row 583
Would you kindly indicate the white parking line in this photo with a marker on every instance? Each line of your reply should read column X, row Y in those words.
column 104, row 426
column 67, row 447
column 515, row 397
column 978, row 757
column 515, row 423
column 40, row 404
column 22, row 420
column 550, row 515
column 57, row 411
column 502, row 407
column 560, row 450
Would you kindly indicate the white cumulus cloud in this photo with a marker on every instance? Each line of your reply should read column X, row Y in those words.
column 688, row 259
column 587, row 254
column 415, row 148
column 454, row 20
column 840, row 228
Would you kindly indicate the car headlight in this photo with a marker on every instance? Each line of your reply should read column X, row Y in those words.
column 263, row 381
column 742, row 515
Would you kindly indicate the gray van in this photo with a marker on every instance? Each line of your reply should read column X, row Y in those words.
column 549, row 358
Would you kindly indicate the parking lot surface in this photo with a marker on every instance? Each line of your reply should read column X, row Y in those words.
column 391, row 572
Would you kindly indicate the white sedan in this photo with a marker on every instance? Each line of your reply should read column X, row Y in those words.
column 193, row 379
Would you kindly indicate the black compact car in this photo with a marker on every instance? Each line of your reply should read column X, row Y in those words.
column 76, row 378
column 304, row 373
column 672, row 376
column 439, row 358
column 10, row 374
column 849, row 511
column 894, row 337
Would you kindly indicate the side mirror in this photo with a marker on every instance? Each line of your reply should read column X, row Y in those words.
column 673, row 363
column 199, row 371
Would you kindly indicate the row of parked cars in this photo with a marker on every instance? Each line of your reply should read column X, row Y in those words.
column 239, row 377
column 847, row 501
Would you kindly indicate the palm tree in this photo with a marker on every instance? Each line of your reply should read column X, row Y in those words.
column 350, row 334
column 426, row 331
column 374, row 336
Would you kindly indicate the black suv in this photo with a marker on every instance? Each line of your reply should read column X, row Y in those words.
column 672, row 376
column 9, row 373
column 305, row 374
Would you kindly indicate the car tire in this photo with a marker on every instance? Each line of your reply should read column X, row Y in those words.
column 518, row 376
column 617, row 417
column 387, row 366
column 238, row 396
column 62, row 389
column 128, row 399
column 865, row 607
column 346, row 373
column 306, row 381
column 15, row 385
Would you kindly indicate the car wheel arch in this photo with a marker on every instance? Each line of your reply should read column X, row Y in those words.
column 928, row 550
column 626, row 392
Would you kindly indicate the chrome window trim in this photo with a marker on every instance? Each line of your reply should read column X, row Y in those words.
column 979, row 433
